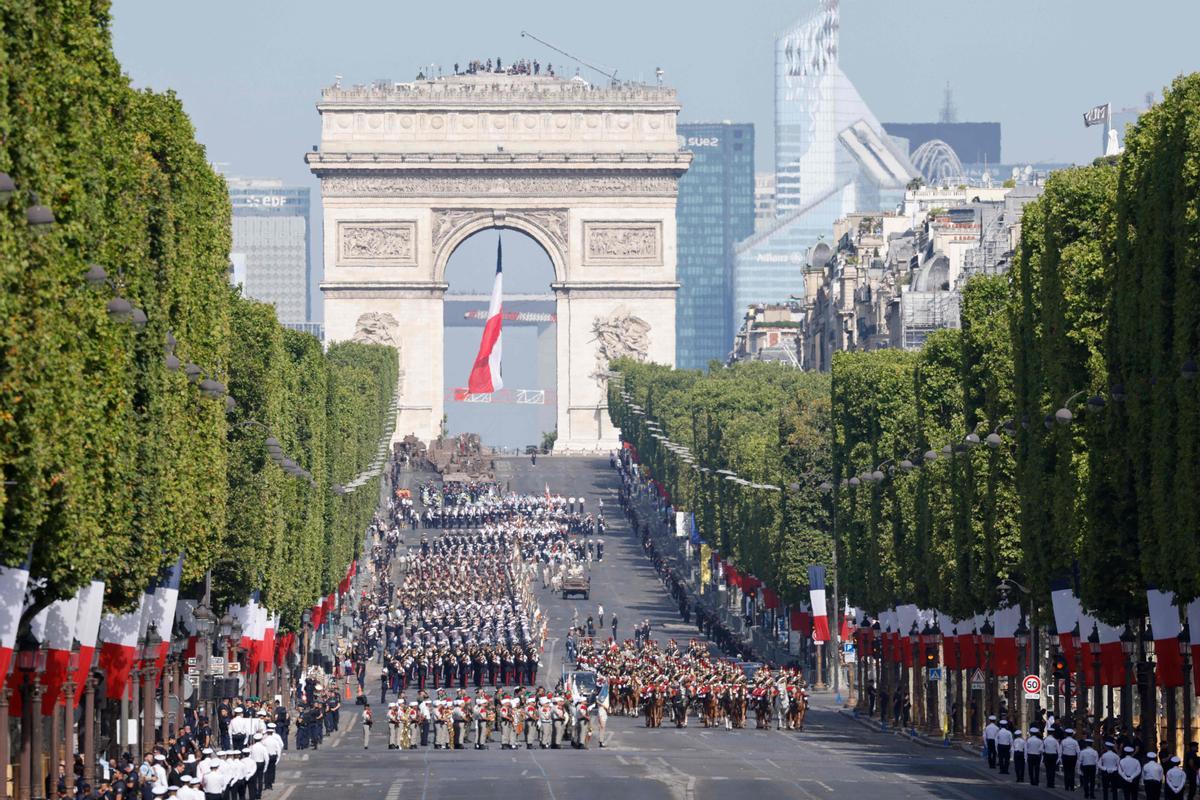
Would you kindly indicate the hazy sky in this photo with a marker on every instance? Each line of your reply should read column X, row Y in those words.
column 250, row 71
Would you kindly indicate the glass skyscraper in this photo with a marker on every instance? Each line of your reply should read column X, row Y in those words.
column 271, row 255
column 715, row 211
column 832, row 158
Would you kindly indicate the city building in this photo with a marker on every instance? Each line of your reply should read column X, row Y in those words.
column 975, row 143
column 832, row 158
column 764, row 199
column 888, row 280
column 271, row 254
column 715, row 210
column 769, row 333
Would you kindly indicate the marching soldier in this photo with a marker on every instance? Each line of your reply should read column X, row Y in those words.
column 1152, row 776
column 989, row 741
column 395, row 722
column 1176, row 780
column 1004, row 742
column 1050, row 751
column 1018, row 755
column 412, row 727
column 458, row 718
column 530, row 732
column 1110, row 764
column 1069, row 751
column 1033, row 755
column 1130, row 773
column 1089, row 759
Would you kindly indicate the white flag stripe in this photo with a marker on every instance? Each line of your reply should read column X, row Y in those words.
column 88, row 612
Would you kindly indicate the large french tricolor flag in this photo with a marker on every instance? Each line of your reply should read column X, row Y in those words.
column 55, row 628
column 88, row 610
column 1066, row 617
column 119, row 646
column 162, row 609
column 13, row 581
column 485, row 374
column 820, row 610
column 1164, row 622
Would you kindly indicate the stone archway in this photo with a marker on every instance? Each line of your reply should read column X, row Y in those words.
column 409, row 171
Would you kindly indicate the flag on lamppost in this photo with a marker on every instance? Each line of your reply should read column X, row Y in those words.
column 816, row 595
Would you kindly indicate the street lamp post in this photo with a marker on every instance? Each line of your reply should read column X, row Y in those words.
column 1127, row 643
column 1147, row 705
column 1097, row 688
column 89, row 728
column 5, row 756
column 988, row 636
column 1081, row 702
column 205, row 622
column 1022, row 637
column 914, row 642
column 1185, row 651
column 306, row 624
column 30, row 660
column 149, row 678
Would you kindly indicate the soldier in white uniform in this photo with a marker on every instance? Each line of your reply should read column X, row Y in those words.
column 1004, row 742
column 1050, row 750
column 274, row 744
column 240, row 729
column 1018, row 755
column 1033, row 755
column 989, row 740
column 1068, row 750
column 1110, row 763
column 394, row 722
column 1130, row 772
column 545, row 722
column 212, row 783
column 1089, row 760
column 258, row 751
column 1176, row 780
column 1152, row 776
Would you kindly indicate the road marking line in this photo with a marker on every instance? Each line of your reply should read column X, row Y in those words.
column 773, row 764
column 287, row 792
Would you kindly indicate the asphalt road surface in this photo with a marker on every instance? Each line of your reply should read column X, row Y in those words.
column 833, row 757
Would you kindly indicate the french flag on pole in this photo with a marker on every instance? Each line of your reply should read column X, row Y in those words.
column 1164, row 622
column 485, row 374
column 13, row 581
column 55, row 628
column 1066, row 617
column 119, row 647
column 87, row 627
column 820, row 611
column 162, row 614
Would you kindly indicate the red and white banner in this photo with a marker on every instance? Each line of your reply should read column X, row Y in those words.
column 1193, row 618
column 1164, row 622
column 13, row 581
column 119, row 647
column 1004, row 651
column 54, row 627
column 88, row 610
column 485, row 373
column 1066, row 617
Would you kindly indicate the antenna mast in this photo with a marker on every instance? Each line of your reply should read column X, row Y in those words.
column 612, row 76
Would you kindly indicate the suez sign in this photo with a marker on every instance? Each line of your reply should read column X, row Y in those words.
column 699, row 141
column 261, row 200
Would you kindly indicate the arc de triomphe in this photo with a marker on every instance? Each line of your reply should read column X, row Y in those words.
column 410, row 170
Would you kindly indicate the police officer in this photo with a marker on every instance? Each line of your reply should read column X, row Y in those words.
column 1004, row 742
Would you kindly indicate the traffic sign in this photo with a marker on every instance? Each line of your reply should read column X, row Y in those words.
column 977, row 679
column 1033, row 687
column 935, row 674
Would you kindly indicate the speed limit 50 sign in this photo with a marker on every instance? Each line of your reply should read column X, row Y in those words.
column 1033, row 687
